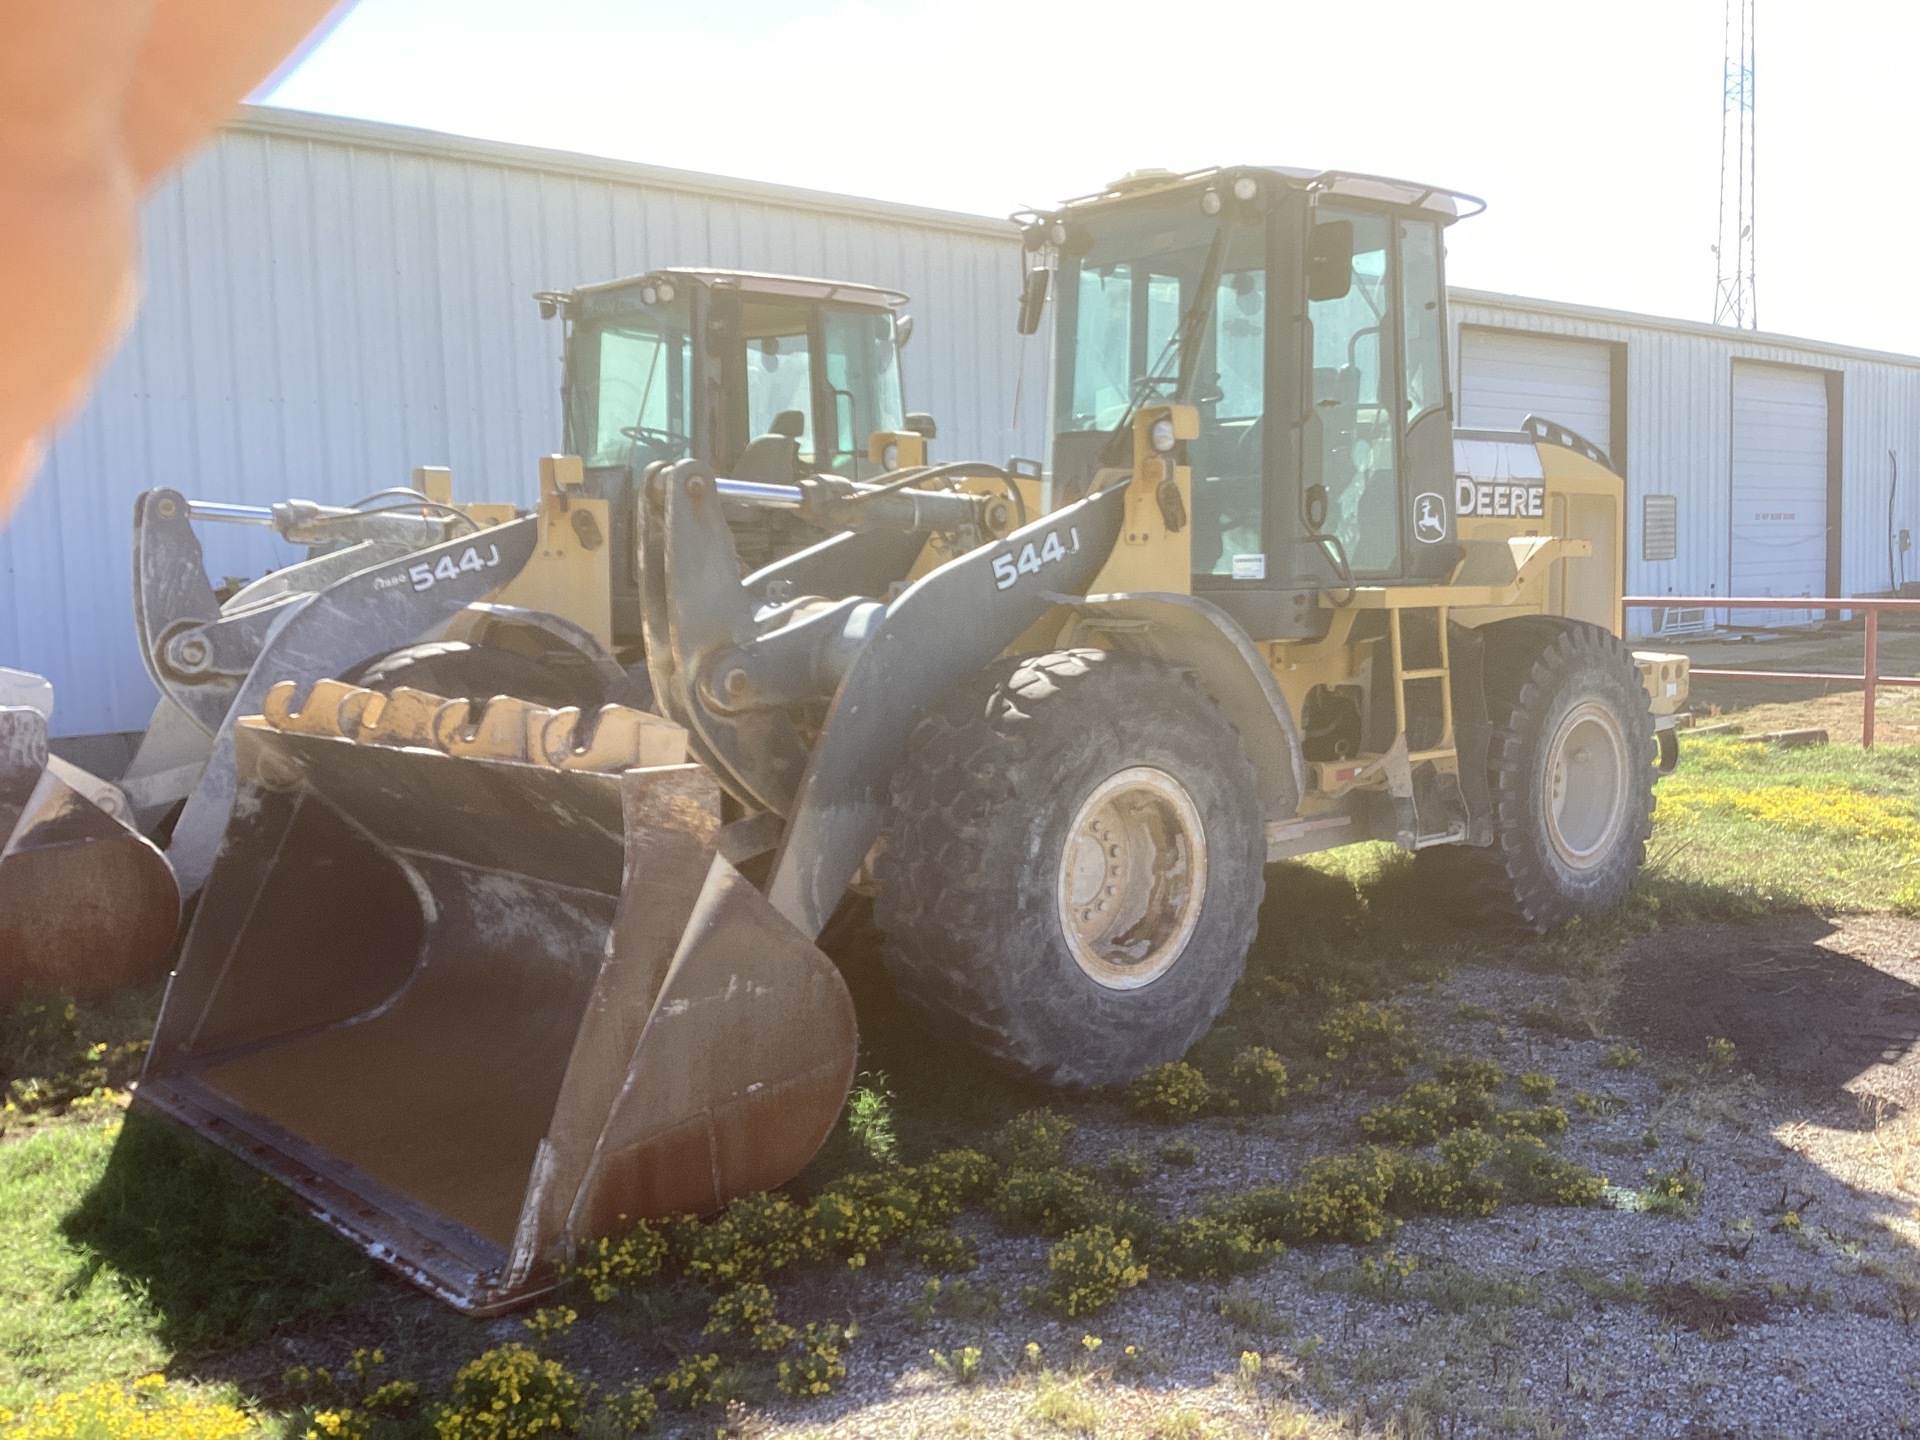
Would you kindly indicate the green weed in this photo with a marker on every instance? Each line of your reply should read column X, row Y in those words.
column 870, row 1119
column 1036, row 1140
column 1127, row 1170
column 1179, row 1153
column 1172, row 1092
column 1368, row 1039
column 1257, row 1080
column 1087, row 1271
column 508, row 1393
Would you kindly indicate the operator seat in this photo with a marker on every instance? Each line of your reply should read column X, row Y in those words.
column 774, row 458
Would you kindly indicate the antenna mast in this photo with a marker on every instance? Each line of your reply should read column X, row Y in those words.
column 1733, row 301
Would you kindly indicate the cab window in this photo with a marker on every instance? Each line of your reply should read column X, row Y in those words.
column 1424, row 342
column 863, row 382
column 1229, row 469
column 1354, row 378
column 635, row 395
column 780, row 377
column 1124, row 325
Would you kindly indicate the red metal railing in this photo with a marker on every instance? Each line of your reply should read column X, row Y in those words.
column 1870, row 681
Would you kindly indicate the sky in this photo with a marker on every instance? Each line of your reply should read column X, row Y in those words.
column 1591, row 129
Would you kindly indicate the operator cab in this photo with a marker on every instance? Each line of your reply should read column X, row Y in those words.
column 1304, row 315
column 763, row 377
column 776, row 346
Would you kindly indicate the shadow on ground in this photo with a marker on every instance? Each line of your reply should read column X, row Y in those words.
column 1827, row 1007
column 222, row 1254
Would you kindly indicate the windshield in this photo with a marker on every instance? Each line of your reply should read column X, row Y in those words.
column 1123, row 301
column 631, row 382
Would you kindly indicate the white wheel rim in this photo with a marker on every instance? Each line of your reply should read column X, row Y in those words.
column 1586, row 784
column 1133, row 877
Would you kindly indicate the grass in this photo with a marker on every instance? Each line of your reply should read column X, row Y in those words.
column 1828, row 828
column 61, row 1328
column 126, row 1247
column 61, row 1059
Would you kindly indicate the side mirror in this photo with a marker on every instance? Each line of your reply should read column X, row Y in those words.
column 921, row 424
column 1033, row 298
column 902, row 332
column 1330, row 260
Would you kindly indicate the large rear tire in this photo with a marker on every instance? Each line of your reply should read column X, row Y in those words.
column 1073, row 867
column 1570, row 772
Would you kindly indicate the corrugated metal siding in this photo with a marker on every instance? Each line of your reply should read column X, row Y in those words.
column 1679, row 410
column 329, row 305
column 1506, row 376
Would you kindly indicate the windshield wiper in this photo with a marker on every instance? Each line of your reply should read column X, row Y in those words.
column 1182, row 347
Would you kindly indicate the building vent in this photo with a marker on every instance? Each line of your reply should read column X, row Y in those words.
column 1659, row 527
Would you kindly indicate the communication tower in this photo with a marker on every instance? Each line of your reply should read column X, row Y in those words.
column 1733, row 301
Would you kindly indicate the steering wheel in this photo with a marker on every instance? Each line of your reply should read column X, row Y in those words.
column 665, row 443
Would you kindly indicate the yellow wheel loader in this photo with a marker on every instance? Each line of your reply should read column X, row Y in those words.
column 87, row 903
column 480, row 980
column 767, row 377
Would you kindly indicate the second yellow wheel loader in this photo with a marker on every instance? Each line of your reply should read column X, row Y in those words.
column 767, row 377
column 478, row 980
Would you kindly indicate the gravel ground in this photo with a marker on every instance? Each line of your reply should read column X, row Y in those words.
column 1785, row 1305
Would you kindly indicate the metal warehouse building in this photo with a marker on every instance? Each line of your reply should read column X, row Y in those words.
column 1755, row 464
column 330, row 303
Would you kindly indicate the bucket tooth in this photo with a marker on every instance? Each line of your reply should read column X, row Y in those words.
column 506, row 729
column 87, row 904
column 550, row 740
column 406, row 718
column 332, row 707
column 474, row 1011
column 621, row 738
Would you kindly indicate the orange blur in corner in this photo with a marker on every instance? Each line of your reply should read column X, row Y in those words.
column 98, row 98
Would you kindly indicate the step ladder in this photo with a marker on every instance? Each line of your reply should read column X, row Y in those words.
column 1444, row 795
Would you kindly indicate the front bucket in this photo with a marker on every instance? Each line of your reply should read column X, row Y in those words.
column 477, row 1010
column 87, row 904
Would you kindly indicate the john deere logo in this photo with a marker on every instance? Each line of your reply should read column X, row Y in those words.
column 1429, row 518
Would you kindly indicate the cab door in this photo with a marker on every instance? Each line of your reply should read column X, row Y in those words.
column 1379, row 441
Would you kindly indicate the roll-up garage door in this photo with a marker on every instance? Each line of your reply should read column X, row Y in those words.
column 1507, row 375
column 1779, row 532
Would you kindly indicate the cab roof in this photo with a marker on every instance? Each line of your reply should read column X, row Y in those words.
column 1449, row 205
column 756, row 282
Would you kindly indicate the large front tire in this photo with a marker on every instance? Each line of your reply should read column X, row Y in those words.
column 1073, row 867
column 1570, row 771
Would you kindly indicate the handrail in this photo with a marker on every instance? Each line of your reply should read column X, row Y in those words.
column 1870, row 680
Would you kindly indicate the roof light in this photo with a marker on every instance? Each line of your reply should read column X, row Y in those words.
column 649, row 295
column 1245, row 188
column 1210, row 202
column 666, row 293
